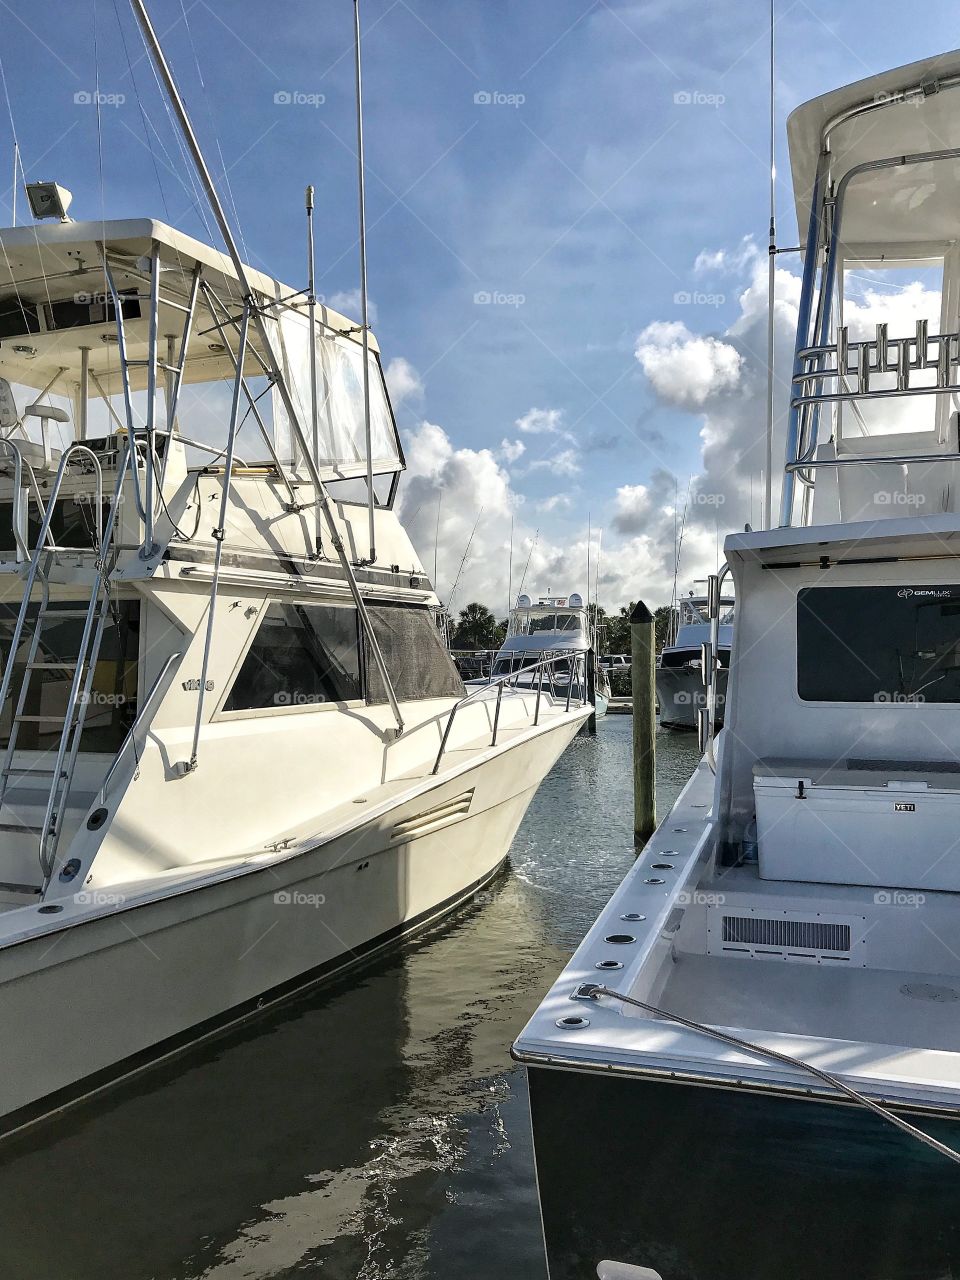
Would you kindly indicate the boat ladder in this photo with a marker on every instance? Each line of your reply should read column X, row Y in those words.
column 29, row 630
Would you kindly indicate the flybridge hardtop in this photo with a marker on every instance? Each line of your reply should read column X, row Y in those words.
column 58, row 330
column 774, row 985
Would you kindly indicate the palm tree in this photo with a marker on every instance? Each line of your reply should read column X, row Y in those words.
column 476, row 628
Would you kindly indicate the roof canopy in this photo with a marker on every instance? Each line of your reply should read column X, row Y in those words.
column 52, row 263
column 910, row 110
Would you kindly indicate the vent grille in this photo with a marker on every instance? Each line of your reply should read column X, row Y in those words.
column 793, row 935
column 430, row 820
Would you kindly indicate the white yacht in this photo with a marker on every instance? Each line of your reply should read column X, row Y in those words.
column 554, row 627
column 681, row 693
column 235, row 752
column 751, row 1065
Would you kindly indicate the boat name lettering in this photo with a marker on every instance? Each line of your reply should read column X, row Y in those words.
column 193, row 685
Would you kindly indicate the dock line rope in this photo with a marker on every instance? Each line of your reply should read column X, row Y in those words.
column 594, row 990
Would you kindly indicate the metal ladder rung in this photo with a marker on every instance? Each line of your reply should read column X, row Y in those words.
column 31, row 773
column 60, row 613
column 52, row 666
column 21, row 827
column 41, row 719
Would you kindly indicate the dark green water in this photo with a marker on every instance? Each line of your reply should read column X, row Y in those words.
column 372, row 1128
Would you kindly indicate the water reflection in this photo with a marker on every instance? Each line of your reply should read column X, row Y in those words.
column 373, row 1128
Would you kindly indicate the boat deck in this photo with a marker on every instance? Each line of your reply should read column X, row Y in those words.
column 878, row 1006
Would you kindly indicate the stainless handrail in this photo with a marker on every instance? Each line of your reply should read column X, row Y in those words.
column 575, row 657
column 141, row 712
column 17, row 504
column 716, row 581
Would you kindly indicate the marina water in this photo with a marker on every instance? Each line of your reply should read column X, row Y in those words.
column 374, row 1127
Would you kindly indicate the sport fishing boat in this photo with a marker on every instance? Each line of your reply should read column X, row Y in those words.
column 681, row 693
column 555, row 627
column 235, row 754
column 751, row 1065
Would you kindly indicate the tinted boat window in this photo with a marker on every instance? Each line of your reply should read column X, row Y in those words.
column 300, row 656
column 112, row 707
column 415, row 656
column 878, row 644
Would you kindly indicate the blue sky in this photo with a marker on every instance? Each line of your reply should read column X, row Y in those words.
column 541, row 153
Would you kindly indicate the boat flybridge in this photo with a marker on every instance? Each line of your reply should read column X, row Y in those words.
column 235, row 752
column 554, row 627
column 751, row 1065
column 681, row 693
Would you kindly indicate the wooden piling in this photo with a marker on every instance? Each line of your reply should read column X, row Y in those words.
column 643, row 664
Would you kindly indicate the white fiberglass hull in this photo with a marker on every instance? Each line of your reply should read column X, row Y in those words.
column 95, row 1000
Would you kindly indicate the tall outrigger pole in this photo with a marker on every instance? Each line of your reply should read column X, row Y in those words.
column 771, row 295
column 276, row 369
column 364, row 319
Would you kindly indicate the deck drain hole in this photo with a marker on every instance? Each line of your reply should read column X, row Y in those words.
column 928, row 991
column 661, row 866
column 668, row 853
column 572, row 1023
column 633, row 915
column 49, row 910
column 608, row 964
column 679, row 828
column 654, row 880
column 620, row 937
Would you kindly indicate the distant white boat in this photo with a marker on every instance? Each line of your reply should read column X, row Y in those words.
column 554, row 627
column 681, row 693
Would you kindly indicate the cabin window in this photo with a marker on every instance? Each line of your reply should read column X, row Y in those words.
column 879, row 644
column 74, row 524
column 112, row 705
column 302, row 655
column 416, row 659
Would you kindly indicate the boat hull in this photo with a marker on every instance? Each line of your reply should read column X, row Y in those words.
column 702, row 1183
column 101, row 998
column 680, row 696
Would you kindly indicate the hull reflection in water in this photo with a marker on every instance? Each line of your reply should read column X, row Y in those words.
column 324, row 1134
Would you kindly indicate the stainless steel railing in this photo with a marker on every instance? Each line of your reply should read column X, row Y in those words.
column 576, row 662
column 853, row 365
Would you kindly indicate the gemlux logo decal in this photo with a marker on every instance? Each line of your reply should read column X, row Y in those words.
column 928, row 593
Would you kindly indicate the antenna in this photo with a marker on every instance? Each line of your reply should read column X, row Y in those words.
column 436, row 537
column 771, row 288
column 510, row 572
column 463, row 559
column 589, row 536
column 16, row 170
column 678, row 545
column 533, row 547
column 312, row 311
column 362, row 199
column 596, row 575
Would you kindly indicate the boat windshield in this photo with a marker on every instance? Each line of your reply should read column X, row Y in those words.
column 530, row 621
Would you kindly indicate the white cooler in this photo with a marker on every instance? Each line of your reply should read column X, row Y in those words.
column 889, row 824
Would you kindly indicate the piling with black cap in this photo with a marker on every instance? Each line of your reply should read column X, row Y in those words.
column 642, row 667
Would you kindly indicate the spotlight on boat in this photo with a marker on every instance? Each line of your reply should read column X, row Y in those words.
column 576, row 601
column 523, row 602
column 48, row 200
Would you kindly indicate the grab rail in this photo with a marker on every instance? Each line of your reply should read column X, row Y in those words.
column 576, row 659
